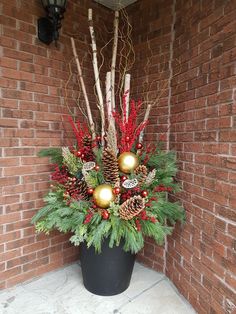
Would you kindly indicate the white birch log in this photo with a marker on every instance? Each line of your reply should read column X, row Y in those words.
column 96, row 73
column 108, row 96
column 111, row 130
column 127, row 93
column 80, row 75
column 145, row 119
column 113, row 62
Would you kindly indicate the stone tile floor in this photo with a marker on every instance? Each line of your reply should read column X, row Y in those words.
column 62, row 292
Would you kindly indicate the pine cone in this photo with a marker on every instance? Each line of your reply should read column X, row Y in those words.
column 141, row 171
column 87, row 141
column 132, row 207
column 88, row 148
column 78, row 189
column 110, row 167
column 82, row 188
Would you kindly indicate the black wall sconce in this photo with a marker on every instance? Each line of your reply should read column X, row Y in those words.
column 48, row 27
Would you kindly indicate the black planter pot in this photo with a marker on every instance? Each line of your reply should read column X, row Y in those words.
column 107, row 273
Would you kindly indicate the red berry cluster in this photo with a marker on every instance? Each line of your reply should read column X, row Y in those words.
column 152, row 219
column 88, row 153
column 135, row 191
column 162, row 188
column 143, row 216
column 85, row 153
column 128, row 126
column 88, row 217
column 129, row 193
column 60, row 175
column 78, row 154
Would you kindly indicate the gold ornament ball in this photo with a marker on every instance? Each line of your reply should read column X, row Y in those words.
column 103, row 195
column 128, row 162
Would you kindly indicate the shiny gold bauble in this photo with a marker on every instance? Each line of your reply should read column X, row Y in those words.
column 103, row 195
column 128, row 162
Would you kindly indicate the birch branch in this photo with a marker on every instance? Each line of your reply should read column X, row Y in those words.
column 89, row 113
column 111, row 131
column 108, row 96
column 127, row 92
column 96, row 73
column 114, row 54
column 145, row 119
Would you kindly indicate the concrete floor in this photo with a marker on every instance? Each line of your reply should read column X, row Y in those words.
column 62, row 292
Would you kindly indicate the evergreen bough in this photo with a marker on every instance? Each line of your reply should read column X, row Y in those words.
column 67, row 214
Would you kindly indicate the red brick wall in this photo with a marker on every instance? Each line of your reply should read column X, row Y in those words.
column 201, row 257
column 32, row 81
column 150, row 82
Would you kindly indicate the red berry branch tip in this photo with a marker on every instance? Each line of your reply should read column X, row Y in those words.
column 88, row 218
column 162, row 188
column 138, row 225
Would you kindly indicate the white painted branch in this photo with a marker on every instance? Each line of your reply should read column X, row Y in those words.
column 127, row 92
column 96, row 73
column 113, row 62
column 145, row 119
column 108, row 96
column 88, row 109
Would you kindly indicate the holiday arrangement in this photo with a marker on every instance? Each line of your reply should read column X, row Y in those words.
column 110, row 184
column 99, row 191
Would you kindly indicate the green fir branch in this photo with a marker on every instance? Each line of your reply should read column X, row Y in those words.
column 53, row 200
column 68, row 215
column 55, row 155
column 97, row 234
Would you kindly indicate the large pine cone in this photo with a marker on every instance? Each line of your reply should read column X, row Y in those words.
column 87, row 141
column 83, row 189
column 132, row 207
column 141, row 172
column 78, row 189
column 88, row 148
column 110, row 167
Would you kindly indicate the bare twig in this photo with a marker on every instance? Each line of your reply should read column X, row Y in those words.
column 114, row 54
column 96, row 74
column 88, row 109
column 126, row 53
